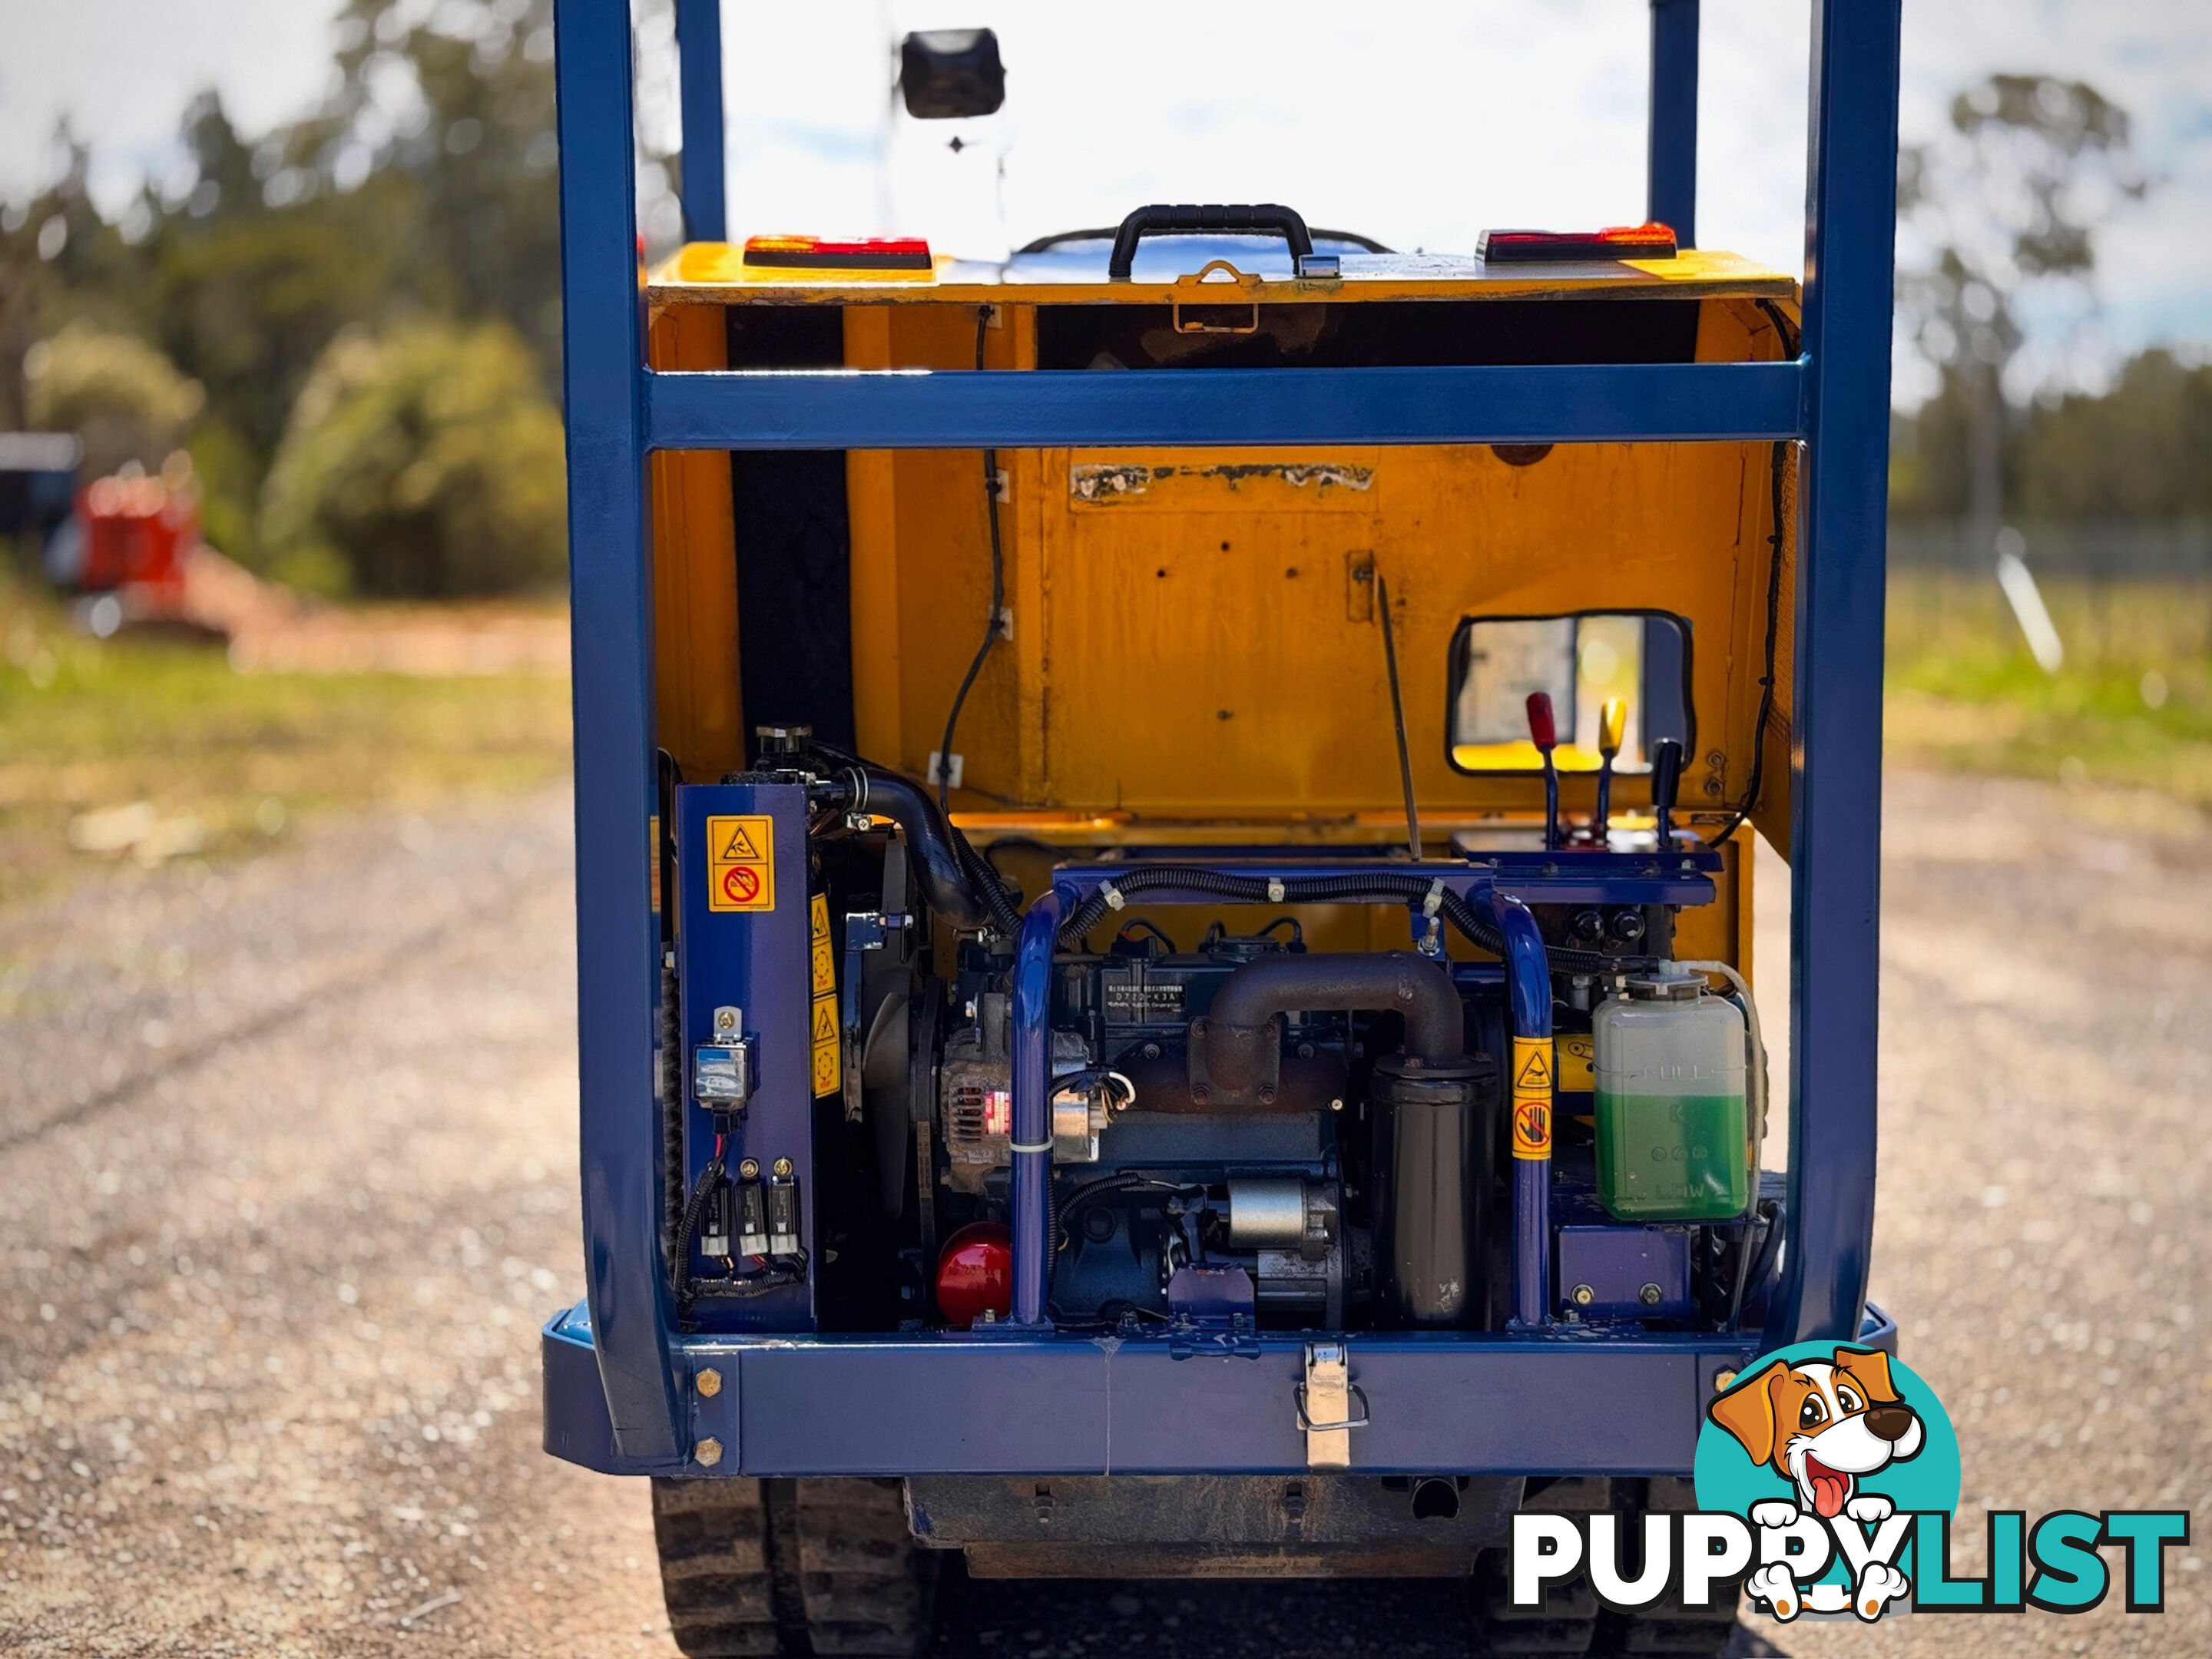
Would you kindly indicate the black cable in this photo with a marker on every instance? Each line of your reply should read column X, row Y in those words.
column 679, row 1267
column 1130, row 929
column 991, row 624
column 1758, row 777
column 1398, row 718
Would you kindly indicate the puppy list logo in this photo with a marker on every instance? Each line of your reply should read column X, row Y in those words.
column 1830, row 1451
column 1826, row 1476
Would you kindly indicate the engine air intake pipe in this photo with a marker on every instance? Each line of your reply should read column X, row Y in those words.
column 1243, row 1044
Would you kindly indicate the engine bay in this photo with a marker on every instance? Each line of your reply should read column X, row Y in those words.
column 1226, row 1130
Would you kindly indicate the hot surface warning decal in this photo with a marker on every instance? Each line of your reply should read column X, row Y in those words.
column 740, row 864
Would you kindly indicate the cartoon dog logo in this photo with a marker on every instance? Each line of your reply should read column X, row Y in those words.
column 1824, row 1426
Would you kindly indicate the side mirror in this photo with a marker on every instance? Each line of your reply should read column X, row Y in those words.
column 947, row 74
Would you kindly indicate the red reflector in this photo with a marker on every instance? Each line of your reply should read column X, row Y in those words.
column 824, row 254
column 976, row 1272
column 1508, row 247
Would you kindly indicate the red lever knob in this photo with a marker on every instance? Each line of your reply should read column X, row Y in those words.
column 1542, row 730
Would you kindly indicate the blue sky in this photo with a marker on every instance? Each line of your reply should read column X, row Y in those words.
column 1418, row 124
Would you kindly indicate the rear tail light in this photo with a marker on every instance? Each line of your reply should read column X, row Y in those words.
column 1511, row 247
column 976, row 1275
column 826, row 253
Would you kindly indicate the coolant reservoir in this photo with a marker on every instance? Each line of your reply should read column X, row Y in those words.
column 1673, row 1142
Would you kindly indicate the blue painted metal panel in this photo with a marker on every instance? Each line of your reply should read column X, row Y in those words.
column 757, row 962
column 617, row 943
column 1671, row 154
column 1469, row 1403
column 923, row 409
column 699, row 92
column 1836, row 730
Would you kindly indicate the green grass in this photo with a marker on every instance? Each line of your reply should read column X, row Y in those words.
column 233, row 762
column 2130, row 708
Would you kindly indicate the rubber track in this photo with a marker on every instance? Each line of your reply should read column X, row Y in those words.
column 791, row 1567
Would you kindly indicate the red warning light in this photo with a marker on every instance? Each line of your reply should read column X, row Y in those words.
column 976, row 1272
column 826, row 253
column 1529, row 247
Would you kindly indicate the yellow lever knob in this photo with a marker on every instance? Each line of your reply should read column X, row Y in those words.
column 1612, row 723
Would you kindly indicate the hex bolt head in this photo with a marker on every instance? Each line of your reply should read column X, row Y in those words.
column 1650, row 1295
column 748, row 1170
column 783, row 1167
column 707, row 1452
column 709, row 1382
column 1582, row 1296
column 1722, row 1380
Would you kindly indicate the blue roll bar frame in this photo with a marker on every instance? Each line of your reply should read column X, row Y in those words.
column 1833, row 401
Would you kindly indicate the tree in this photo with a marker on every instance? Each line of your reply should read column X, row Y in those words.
column 2143, row 451
column 123, row 399
column 427, row 461
column 2006, row 201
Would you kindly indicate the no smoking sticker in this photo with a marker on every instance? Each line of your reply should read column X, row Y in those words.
column 740, row 864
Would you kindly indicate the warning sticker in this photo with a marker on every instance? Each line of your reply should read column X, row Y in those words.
column 1577, row 1063
column 821, row 959
column 740, row 864
column 1532, row 1066
column 827, row 1071
column 1531, row 1128
column 1532, row 1096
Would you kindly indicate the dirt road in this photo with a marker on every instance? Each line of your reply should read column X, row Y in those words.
column 287, row 1184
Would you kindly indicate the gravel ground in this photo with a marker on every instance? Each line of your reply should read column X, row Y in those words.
column 286, row 1172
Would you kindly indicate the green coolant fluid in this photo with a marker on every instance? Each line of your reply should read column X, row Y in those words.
column 1672, row 1158
column 1672, row 1130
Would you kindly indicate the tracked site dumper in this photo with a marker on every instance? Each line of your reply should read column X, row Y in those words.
column 1165, row 876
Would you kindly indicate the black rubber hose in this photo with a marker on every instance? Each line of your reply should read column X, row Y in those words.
column 960, row 889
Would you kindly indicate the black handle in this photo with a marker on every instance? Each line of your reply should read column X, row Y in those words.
column 1194, row 218
column 1666, row 773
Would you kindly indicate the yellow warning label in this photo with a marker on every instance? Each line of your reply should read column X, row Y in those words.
column 740, row 864
column 1532, row 1066
column 1532, row 1098
column 1531, row 1128
column 1577, row 1063
column 818, row 918
column 828, row 1070
column 825, row 967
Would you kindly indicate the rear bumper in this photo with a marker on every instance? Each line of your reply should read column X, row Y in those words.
column 1460, row 1403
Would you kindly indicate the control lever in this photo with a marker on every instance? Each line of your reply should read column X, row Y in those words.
column 1612, row 724
column 1666, row 778
column 1545, row 734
